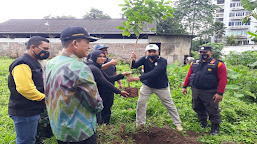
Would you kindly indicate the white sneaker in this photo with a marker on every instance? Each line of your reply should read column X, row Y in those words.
column 179, row 128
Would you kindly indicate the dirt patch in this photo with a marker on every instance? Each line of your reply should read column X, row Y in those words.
column 166, row 135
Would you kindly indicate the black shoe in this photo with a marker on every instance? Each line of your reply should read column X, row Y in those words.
column 204, row 125
column 215, row 129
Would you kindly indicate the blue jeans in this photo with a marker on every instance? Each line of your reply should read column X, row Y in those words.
column 26, row 128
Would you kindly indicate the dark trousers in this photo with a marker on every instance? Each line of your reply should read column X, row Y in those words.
column 90, row 140
column 203, row 104
column 105, row 115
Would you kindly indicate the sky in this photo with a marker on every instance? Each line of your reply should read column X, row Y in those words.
column 37, row 9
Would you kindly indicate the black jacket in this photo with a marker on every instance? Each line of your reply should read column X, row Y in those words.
column 155, row 75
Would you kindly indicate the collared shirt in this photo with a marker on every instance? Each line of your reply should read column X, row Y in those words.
column 72, row 98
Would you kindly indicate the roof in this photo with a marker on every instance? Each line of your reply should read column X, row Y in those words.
column 55, row 26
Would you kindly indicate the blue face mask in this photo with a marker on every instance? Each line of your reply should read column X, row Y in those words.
column 203, row 56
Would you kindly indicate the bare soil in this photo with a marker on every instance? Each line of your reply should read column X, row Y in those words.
column 165, row 135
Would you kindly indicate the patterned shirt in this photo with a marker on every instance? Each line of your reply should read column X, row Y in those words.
column 72, row 98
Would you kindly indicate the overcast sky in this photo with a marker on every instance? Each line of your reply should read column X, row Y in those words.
column 37, row 9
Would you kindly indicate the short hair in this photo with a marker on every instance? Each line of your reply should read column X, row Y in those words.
column 35, row 40
column 66, row 43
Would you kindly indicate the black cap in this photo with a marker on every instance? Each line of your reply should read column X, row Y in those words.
column 205, row 49
column 76, row 32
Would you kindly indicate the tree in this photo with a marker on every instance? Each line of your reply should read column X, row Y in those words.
column 231, row 40
column 141, row 12
column 96, row 14
column 171, row 25
column 197, row 15
column 219, row 30
column 59, row 17
column 250, row 6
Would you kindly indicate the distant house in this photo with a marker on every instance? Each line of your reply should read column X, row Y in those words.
column 15, row 33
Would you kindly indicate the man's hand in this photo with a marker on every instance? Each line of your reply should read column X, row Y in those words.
column 114, row 61
column 217, row 98
column 130, row 79
column 133, row 56
column 126, row 73
column 120, row 86
column 184, row 91
column 124, row 93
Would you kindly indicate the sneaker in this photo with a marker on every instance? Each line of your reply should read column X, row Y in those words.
column 179, row 128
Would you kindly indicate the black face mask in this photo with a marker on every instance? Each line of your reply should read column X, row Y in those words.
column 42, row 55
column 153, row 57
column 204, row 56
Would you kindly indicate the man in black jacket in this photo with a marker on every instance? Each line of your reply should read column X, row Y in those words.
column 154, row 80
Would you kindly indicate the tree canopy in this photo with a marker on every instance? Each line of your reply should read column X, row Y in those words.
column 96, row 14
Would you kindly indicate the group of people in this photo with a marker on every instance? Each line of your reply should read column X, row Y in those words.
column 78, row 93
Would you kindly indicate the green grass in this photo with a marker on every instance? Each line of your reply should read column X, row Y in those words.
column 7, row 132
column 239, row 120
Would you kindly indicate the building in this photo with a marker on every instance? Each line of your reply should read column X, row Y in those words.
column 16, row 32
column 231, row 13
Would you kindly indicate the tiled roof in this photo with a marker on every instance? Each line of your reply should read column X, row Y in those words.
column 55, row 26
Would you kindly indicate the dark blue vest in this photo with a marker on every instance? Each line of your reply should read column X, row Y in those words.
column 18, row 104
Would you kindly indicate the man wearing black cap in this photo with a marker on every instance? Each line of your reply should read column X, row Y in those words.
column 207, row 78
column 72, row 98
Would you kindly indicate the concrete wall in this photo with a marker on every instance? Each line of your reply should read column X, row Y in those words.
column 121, row 48
column 173, row 48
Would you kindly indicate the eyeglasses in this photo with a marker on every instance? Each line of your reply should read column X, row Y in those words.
column 43, row 49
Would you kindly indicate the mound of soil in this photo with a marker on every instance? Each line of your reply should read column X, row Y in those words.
column 156, row 135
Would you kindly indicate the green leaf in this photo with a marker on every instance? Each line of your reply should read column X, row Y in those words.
column 121, row 28
column 153, row 29
column 232, row 87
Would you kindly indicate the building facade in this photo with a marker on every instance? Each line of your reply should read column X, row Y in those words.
column 231, row 13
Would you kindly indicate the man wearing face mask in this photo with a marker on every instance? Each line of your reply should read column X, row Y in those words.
column 154, row 80
column 207, row 78
column 25, row 83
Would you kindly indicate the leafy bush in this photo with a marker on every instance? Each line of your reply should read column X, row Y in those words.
column 244, row 58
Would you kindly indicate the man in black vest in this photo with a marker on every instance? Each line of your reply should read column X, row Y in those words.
column 207, row 78
column 25, row 83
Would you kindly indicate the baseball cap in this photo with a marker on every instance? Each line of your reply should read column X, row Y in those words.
column 205, row 49
column 100, row 46
column 74, row 32
column 151, row 47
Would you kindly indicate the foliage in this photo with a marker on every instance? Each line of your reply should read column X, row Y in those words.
column 244, row 58
column 96, row 14
column 141, row 12
column 219, row 30
column 172, row 25
column 231, row 40
column 59, row 17
column 197, row 15
column 250, row 6
column 238, row 108
column 216, row 49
